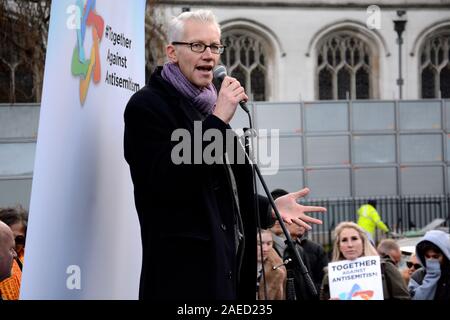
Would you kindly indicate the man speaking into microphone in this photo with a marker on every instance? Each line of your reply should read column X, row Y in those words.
column 198, row 221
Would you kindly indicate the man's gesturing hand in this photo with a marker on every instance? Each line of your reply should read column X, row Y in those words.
column 293, row 212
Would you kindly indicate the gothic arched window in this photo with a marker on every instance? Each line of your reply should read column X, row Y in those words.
column 345, row 67
column 246, row 57
column 435, row 65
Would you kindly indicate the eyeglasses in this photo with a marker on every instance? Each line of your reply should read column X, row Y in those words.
column 409, row 264
column 20, row 240
column 201, row 47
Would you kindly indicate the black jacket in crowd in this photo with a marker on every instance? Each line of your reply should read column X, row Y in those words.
column 187, row 212
column 315, row 260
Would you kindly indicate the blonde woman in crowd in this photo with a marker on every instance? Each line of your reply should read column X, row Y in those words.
column 350, row 243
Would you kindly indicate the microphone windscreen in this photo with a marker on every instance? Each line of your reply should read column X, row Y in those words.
column 219, row 73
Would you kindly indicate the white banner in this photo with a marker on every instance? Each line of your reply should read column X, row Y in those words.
column 83, row 239
column 358, row 279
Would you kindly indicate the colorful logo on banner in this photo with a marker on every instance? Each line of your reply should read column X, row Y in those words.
column 356, row 294
column 82, row 67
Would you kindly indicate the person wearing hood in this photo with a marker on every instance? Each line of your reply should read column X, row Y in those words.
column 432, row 282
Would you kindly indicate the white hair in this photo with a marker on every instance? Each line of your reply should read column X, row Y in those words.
column 176, row 25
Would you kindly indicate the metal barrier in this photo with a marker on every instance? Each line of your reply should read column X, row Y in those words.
column 400, row 214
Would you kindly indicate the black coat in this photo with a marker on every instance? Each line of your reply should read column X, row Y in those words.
column 187, row 211
column 317, row 260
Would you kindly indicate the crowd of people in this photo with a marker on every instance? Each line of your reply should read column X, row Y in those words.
column 426, row 276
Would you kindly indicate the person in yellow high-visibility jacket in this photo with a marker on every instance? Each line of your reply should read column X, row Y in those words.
column 369, row 219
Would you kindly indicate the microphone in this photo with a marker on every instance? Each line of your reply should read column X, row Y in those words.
column 219, row 73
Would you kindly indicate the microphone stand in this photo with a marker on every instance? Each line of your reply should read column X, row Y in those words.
column 297, row 260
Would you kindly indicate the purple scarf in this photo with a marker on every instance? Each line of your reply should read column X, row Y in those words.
column 204, row 99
